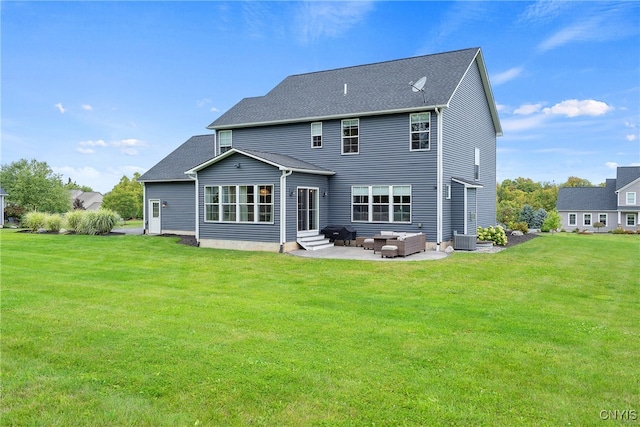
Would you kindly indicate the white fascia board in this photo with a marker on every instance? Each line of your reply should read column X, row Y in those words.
column 329, row 117
column 484, row 76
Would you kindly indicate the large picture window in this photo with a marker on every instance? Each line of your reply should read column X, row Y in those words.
column 350, row 136
column 238, row 203
column 381, row 203
column 420, row 131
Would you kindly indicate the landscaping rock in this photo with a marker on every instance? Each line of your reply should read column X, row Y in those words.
column 517, row 233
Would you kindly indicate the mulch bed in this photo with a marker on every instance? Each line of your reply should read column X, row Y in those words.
column 516, row 240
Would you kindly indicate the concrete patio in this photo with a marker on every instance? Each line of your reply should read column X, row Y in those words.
column 358, row 253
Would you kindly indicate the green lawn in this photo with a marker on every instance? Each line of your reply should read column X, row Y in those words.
column 139, row 330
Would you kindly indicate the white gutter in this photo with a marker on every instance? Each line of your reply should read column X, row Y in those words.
column 439, row 182
column 283, row 208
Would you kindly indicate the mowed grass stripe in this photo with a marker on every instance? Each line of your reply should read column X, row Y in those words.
column 140, row 330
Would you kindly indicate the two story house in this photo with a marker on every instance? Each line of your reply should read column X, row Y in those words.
column 615, row 205
column 406, row 145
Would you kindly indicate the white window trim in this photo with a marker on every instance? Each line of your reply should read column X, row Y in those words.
column 391, row 205
column 230, row 132
column 342, row 137
column 315, row 134
column 584, row 219
column 411, row 132
column 575, row 219
column 631, row 198
column 256, row 204
column 606, row 218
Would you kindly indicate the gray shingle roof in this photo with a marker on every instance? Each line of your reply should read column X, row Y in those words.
column 370, row 89
column 588, row 198
column 191, row 153
column 626, row 175
column 277, row 160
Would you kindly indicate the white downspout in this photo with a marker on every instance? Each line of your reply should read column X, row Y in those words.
column 194, row 176
column 144, row 208
column 439, row 182
column 283, row 208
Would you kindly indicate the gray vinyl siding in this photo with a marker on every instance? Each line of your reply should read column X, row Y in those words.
column 179, row 213
column 384, row 159
column 295, row 181
column 457, row 208
column 468, row 125
column 251, row 172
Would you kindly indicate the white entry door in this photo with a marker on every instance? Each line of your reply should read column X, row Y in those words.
column 154, row 217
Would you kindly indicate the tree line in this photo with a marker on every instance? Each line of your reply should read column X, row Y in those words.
column 522, row 200
column 32, row 186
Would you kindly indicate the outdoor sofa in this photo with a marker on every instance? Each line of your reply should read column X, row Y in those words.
column 407, row 243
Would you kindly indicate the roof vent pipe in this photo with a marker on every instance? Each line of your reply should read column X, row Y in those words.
column 345, row 89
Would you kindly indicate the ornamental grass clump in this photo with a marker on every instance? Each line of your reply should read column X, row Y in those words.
column 73, row 219
column 53, row 222
column 34, row 220
column 97, row 222
column 493, row 234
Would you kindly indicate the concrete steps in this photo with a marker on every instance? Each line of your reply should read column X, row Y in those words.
column 314, row 243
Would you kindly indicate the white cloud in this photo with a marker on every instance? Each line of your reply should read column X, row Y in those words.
column 522, row 124
column 83, row 150
column 129, row 146
column 329, row 19
column 544, row 10
column 632, row 137
column 527, row 109
column 202, row 102
column 575, row 108
column 60, row 108
column 90, row 143
column 214, row 109
column 87, row 107
column 611, row 165
column 505, row 76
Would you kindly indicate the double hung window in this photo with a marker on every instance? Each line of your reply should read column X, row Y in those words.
column 602, row 218
column 316, row 135
column 224, row 141
column 420, row 131
column 351, row 136
column 238, row 203
column 631, row 198
column 381, row 203
column 573, row 219
column 586, row 219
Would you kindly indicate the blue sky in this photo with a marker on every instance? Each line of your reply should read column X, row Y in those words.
column 99, row 90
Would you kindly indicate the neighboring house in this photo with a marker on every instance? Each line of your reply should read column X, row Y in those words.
column 2, row 195
column 615, row 205
column 362, row 146
column 91, row 200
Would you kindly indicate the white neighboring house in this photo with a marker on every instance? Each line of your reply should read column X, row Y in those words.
column 91, row 200
column 616, row 205
column 2, row 194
